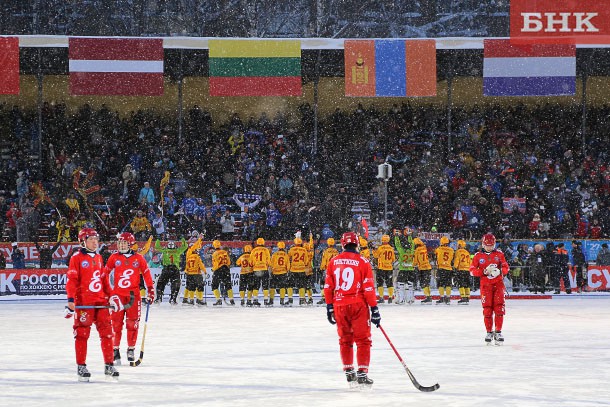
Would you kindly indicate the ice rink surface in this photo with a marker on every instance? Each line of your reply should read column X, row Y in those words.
column 557, row 353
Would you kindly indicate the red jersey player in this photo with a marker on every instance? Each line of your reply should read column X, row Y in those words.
column 88, row 285
column 349, row 292
column 128, row 266
column 490, row 266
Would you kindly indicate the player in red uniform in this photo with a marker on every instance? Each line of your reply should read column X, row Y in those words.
column 490, row 266
column 349, row 292
column 128, row 266
column 89, row 285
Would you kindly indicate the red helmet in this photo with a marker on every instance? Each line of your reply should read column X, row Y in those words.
column 349, row 238
column 85, row 233
column 127, row 237
column 488, row 240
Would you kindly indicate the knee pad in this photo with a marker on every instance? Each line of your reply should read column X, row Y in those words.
column 499, row 309
column 132, row 324
column 487, row 311
column 82, row 332
column 105, row 329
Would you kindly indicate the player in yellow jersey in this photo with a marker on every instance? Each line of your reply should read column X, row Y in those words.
column 461, row 263
column 222, row 273
column 245, row 276
column 309, row 271
column 280, row 264
column 422, row 264
column 195, row 272
column 364, row 249
column 299, row 257
column 444, row 260
column 261, row 260
column 385, row 269
column 330, row 252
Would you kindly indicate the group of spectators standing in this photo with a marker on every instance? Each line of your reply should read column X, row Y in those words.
column 271, row 177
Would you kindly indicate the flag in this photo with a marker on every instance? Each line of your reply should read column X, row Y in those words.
column 9, row 65
column 365, row 227
column 116, row 66
column 393, row 68
column 164, row 182
column 255, row 67
column 528, row 70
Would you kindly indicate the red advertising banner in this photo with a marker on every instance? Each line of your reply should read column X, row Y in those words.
column 599, row 278
column 560, row 22
column 33, row 281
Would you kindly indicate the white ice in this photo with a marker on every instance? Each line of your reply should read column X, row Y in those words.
column 557, row 353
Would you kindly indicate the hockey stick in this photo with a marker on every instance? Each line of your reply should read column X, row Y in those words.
column 137, row 362
column 125, row 306
column 413, row 380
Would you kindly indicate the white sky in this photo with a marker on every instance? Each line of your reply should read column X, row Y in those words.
column 557, row 353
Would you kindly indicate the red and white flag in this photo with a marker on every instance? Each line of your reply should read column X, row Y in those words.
column 116, row 66
column 9, row 65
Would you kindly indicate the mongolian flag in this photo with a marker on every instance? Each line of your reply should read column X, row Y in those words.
column 9, row 66
column 255, row 67
column 391, row 68
column 116, row 66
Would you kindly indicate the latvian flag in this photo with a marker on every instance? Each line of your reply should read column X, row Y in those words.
column 116, row 66
column 528, row 70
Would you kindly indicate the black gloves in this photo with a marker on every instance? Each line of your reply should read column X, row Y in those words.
column 375, row 316
column 330, row 314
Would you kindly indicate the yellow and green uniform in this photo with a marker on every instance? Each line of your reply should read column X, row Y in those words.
column 422, row 263
column 221, row 263
column 444, row 260
column 195, row 271
column 385, row 266
column 299, row 258
column 328, row 254
column 245, row 273
column 461, row 262
column 280, row 264
column 261, row 260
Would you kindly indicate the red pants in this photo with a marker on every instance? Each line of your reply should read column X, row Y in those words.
column 354, row 325
column 492, row 300
column 131, row 317
column 83, row 319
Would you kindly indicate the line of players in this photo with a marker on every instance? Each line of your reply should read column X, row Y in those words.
column 287, row 271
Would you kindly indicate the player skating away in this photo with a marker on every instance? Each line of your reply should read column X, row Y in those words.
column 246, row 274
column 261, row 261
column 280, row 264
column 461, row 263
column 170, row 273
column 222, row 273
column 195, row 272
column 349, row 292
column 422, row 264
column 490, row 266
column 444, row 259
column 128, row 267
column 385, row 260
column 330, row 252
column 299, row 257
column 87, row 284
column 406, row 278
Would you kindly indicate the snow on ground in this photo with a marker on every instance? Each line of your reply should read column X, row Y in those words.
column 557, row 353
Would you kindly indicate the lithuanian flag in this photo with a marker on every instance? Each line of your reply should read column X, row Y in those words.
column 255, row 67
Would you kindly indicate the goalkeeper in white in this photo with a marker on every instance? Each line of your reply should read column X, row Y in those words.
column 490, row 266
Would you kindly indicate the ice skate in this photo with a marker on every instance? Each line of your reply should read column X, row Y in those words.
column 242, row 303
column 380, row 300
column 256, row 303
column 117, row 357
column 249, row 303
column 130, row 355
column 111, row 373
column 498, row 339
column 302, row 302
column 172, row 301
column 232, row 302
column 185, row 301
column 290, row 301
column 201, row 303
column 281, row 302
column 488, row 338
column 352, row 378
column 426, row 301
column 83, row 373
column 448, row 300
column 321, row 302
column 462, row 301
column 266, row 302
column 218, row 303
column 440, row 300
column 310, row 301
column 363, row 380
column 270, row 304
column 157, row 301
column 389, row 300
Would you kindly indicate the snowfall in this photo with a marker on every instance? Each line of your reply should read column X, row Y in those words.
column 556, row 353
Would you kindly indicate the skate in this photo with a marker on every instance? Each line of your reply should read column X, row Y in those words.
column 157, row 301
column 232, row 302
column 290, row 301
column 352, row 379
column 380, row 300
column 321, row 302
column 242, row 303
column 440, row 300
column 310, row 301
column 117, row 357
column 266, row 302
column 301, row 302
column 185, row 301
column 488, row 338
column 256, row 303
column 426, row 301
column 110, row 372
column 281, row 302
column 172, row 301
column 218, row 303
column 498, row 338
column 462, row 301
column 270, row 304
column 130, row 355
column 83, row 373
column 389, row 300
column 363, row 380
column 249, row 303
column 447, row 300
column 200, row 303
